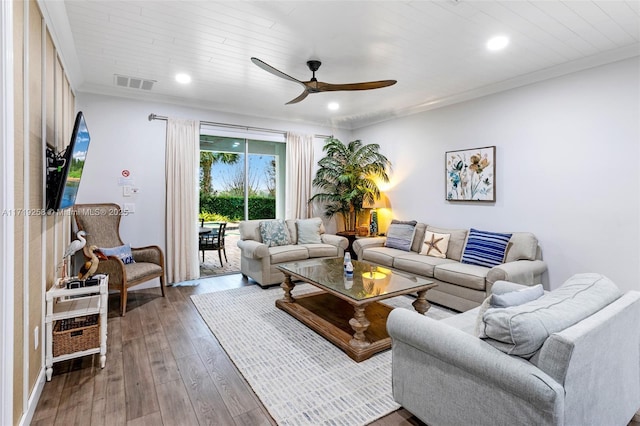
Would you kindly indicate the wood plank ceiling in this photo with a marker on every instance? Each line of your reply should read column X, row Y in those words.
column 435, row 49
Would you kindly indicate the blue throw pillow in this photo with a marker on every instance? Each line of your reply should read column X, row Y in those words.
column 485, row 248
column 122, row 252
column 400, row 234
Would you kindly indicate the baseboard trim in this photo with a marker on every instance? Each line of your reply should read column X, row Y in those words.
column 33, row 399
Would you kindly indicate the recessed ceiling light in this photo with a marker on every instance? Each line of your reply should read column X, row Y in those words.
column 183, row 78
column 497, row 42
column 333, row 106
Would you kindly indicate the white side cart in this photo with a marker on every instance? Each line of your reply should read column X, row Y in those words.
column 63, row 303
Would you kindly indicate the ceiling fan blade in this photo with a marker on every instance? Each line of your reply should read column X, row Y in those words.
column 328, row 87
column 299, row 98
column 272, row 70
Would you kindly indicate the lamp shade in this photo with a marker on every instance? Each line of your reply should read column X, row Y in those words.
column 380, row 203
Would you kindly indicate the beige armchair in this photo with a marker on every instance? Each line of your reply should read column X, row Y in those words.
column 101, row 222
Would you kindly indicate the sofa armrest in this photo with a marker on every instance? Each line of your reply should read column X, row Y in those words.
column 335, row 240
column 520, row 271
column 360, row 244
column 475, row 360
column 253, row 249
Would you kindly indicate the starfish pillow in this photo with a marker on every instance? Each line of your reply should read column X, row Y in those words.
column 435, row 244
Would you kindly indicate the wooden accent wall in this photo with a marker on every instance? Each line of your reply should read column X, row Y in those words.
column 44, row 112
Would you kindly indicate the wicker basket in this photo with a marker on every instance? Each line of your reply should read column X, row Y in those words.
column 76, row 334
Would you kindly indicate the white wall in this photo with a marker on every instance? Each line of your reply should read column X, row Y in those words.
column 567, row 168
column 122, row 138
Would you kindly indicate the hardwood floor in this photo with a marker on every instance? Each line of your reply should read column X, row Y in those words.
column 164, row 367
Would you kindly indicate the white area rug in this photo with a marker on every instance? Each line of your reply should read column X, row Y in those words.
column 301, row 378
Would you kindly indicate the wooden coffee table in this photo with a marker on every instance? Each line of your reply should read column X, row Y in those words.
column 347, row 311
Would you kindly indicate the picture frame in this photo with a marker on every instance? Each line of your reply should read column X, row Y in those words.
column 470, row 174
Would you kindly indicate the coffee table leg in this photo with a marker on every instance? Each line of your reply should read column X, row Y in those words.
column 288, row 285
column 359, row 323
column 420, row 304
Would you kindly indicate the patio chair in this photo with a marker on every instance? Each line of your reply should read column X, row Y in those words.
column 214, row 241
column 101, row 222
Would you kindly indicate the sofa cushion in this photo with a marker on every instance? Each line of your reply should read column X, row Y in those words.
column 400, row 234
column 288, row 253
column 462, row 274
column 321, row 250
column 456, row 241
column 522, row 246
column 381, row 255
column 274, row 233
column 308, row 231
column 418, row 237
column 485, row 248
column 414, row 263
column 435, row 244
column 250, row 230
column 522, row 330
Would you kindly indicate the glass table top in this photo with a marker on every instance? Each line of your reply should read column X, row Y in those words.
column 368, row 280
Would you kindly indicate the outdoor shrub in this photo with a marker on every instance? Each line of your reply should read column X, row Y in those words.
column 233, row 207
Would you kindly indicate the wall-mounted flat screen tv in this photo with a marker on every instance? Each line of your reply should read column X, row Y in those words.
column 64, row 177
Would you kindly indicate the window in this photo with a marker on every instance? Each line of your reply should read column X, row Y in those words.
column 242, row 178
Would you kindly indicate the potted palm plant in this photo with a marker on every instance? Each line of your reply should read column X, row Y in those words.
column 347, row 178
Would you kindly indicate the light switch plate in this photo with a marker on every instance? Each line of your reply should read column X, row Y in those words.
column 129, row 208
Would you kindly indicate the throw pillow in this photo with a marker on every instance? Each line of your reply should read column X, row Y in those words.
column 522, row 330
column 515, row 298
column 274, row 233
column 309, row 231
column 506, row 300
column 400, row 234
column 485, row 248
column 435, row 244
column 121, row 252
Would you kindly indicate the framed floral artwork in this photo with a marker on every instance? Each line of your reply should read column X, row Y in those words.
column 471, row 174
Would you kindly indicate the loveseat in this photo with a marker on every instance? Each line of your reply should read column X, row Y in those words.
column 461, row 286
column 569, row 357
column 290, row 240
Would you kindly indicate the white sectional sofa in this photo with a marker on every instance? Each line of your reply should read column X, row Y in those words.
column 461, row 286
column 259, row 261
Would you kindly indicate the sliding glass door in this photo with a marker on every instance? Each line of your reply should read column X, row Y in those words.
column 241, row 178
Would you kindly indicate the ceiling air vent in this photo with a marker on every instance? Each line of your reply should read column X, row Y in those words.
column 133, row 82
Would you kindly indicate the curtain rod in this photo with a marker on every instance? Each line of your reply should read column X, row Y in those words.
column 153, row 116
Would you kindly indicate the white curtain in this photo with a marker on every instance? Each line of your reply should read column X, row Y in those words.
column 299, row 176
column 182, row 162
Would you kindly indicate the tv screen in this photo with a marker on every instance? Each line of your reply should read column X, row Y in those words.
column 67, row 175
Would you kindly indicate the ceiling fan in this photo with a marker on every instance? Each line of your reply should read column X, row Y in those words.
column 315, row 86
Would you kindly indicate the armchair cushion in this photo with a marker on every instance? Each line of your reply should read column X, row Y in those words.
column 121, row 252
column 136, row 271
column 522, row 330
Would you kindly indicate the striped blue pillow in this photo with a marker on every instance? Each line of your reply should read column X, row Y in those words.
column 485, row 248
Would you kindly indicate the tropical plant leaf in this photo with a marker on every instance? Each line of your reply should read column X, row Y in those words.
column 347, row 178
